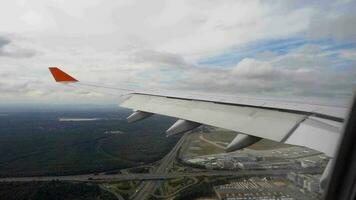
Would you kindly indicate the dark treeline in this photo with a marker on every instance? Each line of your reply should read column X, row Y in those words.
column 54, row 190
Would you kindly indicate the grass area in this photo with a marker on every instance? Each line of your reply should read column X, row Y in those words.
column 196, row 146
column 223, row 137
column 203, row 188
column 220, row 136
column 37, row 143
column 265, row 144
column 177, row 167
column 123, row 185
column 53, row 190
column 124, row 188
column 170, row 187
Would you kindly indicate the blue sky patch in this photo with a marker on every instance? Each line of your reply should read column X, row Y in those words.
column 235, row 55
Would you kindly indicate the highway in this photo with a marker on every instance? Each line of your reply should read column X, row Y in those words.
column 147, row 188
column 159, row 176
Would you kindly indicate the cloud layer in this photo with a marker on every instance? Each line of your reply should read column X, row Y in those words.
column 263, row 48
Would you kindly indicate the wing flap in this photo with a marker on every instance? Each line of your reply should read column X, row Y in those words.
column 317, row 135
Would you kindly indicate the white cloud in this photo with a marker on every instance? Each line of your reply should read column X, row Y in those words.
column 251, row 68
column 334, row 25
column 184, row 27
column 349, row 54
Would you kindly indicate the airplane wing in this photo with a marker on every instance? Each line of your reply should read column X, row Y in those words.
column 312, row 125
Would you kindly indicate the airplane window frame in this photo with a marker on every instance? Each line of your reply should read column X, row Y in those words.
column 342, row 182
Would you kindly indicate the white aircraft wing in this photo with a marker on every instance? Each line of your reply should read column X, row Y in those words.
column 311, row 125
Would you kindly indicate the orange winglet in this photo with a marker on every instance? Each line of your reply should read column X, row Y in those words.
column 61, row 76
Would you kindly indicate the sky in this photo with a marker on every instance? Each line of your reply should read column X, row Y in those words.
column 284, row 49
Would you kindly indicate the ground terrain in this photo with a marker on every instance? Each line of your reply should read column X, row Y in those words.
column 37, row 142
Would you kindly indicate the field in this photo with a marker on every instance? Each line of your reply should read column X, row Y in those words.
column 170, row 188
column 208, row 140
column 36, row 142
column 124, row 188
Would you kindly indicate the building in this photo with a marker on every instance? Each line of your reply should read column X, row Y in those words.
column 307, row 182
column 257, row 188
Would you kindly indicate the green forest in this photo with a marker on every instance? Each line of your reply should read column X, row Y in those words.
column 36, row 142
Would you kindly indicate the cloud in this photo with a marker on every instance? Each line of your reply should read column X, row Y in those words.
column 13, row 88
column 252, row 68
column 9, row 49
column 249, row 47
column 294, row 74
column 179, row 27
column 334, row 22
column 159, row 58
column 349, row 54
column 4, row 41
